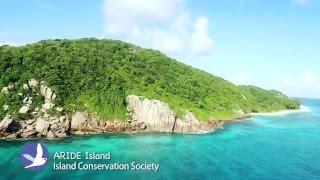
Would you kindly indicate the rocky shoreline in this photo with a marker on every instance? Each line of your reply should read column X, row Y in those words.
column 146, row 115
column 80, row 124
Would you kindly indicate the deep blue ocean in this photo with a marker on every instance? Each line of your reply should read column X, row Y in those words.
column 279, row 147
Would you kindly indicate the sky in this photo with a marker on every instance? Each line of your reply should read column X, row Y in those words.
column 274, row 44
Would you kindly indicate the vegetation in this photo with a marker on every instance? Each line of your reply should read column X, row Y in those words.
column 97, row 75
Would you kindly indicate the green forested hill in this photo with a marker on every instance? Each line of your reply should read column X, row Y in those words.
column 97, row 75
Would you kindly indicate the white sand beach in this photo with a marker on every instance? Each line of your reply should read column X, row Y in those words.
column 302, row 109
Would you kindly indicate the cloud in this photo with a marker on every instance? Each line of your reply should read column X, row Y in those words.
column 43, row 5
column 308, row 77
column 165, row 25
column 167, row 41
column 305, row 79
column 124, row 14
column 287, row 80
column 305, row 85
column 241, row 78
column 145, row 9
column 201, row 42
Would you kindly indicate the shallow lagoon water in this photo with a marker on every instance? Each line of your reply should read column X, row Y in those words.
column 280, row 147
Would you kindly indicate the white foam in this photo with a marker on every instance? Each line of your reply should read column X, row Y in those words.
column 303, row 109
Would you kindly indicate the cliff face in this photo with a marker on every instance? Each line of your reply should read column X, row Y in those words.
column 156, row 116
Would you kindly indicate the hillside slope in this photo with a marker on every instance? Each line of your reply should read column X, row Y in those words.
column 97, row 75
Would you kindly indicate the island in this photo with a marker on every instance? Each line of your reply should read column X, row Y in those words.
column 59, row 88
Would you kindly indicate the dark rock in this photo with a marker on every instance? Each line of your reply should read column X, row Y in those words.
column 13, row 127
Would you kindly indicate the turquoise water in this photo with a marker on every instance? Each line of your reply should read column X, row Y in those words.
column 283, row 147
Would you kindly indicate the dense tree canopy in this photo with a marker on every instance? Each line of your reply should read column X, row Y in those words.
column 97, row 75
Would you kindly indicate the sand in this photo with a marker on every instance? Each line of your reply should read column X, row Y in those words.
column 303, row 109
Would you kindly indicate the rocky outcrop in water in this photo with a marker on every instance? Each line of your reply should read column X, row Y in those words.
column 47, row 127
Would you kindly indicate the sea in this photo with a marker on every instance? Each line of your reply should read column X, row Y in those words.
column 262, row 147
